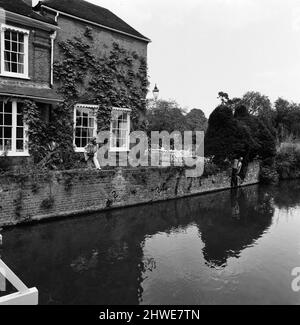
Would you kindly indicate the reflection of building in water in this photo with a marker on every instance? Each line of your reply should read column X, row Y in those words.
column 100, row 259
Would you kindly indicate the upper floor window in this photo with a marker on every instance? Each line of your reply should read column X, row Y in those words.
column 13, row 131
column 14, row 52
column 85, row 125
column 120, row 129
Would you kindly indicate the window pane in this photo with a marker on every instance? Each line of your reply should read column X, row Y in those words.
column 21, row 37
column 7, row 35
column 7, row 56
column 91, row 122
column 14, row 36
column 20, row 133
column 7, row 66
column 8, row 119
column 14, row 67
column 20, row 145
column 84, row 132
column 21, row 48
column 20, row 120
column 77, row 142
column 1, row 120
column 14, row 57
column 14, row 46
column 7, row 132
column 20, row 68
column 7, row 144
column 79, row 121
column 20, row 58
column 20, row 108
column 90, row 133
column 8, row 107
column 84, row 142
column 85, row 122
column 77, row 132
column 7, row 45
column 1, row 143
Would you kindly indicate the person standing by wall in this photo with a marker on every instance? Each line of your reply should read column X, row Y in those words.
column 90, row 154
column 234, row 176
column 239, row 170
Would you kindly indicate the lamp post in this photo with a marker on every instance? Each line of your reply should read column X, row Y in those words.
column 155, row 93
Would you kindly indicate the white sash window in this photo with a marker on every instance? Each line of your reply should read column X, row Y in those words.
column 13, row 131
column 14, row 52
column 120, row 129
column 85, row 125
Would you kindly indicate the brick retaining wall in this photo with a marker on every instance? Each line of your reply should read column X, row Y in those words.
column 26, row 198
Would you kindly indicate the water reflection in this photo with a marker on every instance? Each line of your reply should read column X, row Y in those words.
column 228, row 230
column 103, row 258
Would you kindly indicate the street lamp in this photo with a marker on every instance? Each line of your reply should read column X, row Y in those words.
column 155, row 93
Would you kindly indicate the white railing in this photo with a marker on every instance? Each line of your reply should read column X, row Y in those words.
column 24, row 296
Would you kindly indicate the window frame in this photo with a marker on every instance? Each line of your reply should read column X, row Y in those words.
column 14, row 152
column 26, row 33
column 121, row 111
column 92, row 108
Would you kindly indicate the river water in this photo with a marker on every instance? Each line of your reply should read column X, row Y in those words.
column 222, row 248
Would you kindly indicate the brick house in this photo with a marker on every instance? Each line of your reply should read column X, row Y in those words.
column 25, row 70
column 74, row 17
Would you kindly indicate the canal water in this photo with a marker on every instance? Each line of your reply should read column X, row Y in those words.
column 222, row 248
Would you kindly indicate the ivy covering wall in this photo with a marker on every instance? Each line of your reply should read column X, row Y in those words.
column 117, row 79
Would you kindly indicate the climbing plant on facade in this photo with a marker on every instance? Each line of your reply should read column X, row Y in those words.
column 116, row 79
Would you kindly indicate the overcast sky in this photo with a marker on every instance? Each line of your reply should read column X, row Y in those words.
column 201, row 47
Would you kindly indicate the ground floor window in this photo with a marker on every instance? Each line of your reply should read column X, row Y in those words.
column 13, row 131
column 120, row 129
column 85, row 125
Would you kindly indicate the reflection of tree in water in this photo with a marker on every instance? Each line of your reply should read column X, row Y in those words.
column 100, row 259
column 287, row 194
column 228, row 229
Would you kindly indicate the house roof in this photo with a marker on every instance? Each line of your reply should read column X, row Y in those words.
column 93, row 13
column 39, row 94
column 21, row 8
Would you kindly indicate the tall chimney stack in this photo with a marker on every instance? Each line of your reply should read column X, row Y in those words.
column 28, row 2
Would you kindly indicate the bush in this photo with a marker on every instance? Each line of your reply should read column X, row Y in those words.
column 288, row 160
column 210, row 168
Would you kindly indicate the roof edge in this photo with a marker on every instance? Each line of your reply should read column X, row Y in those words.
column 41, row 5
column 37, row 23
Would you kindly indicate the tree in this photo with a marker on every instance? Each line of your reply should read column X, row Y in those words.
column 232, row 133
column 260, row 105
column 196, row 120
column 227, row 137
column 165, row 116
column 257, row 103
column 287, row 120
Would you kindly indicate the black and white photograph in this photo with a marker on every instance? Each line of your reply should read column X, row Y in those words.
column 149, row 155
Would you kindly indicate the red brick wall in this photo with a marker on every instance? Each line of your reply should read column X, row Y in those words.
column 60, row 194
